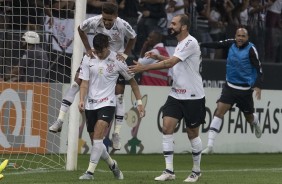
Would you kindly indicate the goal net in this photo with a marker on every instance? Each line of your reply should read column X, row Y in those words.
column 33, row 80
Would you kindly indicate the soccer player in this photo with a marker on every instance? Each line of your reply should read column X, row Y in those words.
column 243, row 76
column 97, row 97
column 118, row 30
column 186, row 98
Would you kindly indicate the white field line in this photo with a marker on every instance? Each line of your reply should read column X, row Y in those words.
column 177, row 171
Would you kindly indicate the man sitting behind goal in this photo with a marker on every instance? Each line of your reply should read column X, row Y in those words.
column 118, row 30
column 97, row 98
column 33, row 65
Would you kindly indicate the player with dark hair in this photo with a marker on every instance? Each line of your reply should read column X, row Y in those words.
column 117, row 30
column 186, row 98
column 97, row 98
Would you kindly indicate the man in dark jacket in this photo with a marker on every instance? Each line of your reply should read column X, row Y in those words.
column 32, row 67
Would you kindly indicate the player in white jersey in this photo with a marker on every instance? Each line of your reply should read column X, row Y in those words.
column 186, row 98
column 97, row 97
column 118, row 30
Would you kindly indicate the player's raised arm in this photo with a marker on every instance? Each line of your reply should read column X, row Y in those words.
column 85, row 42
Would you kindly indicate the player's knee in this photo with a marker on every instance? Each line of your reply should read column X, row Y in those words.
column 167, row 130
column 219, row 114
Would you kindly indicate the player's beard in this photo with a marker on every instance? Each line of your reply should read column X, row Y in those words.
column 172, row 32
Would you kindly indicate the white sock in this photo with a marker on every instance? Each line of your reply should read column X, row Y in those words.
column 119, row 113
column 106, row 157
column 214, row 130
column 61, row 115
column 68, row 100
column 256, row 120
column 91, row 168
column 196, row 145
column 168, row 150
column 96, row 153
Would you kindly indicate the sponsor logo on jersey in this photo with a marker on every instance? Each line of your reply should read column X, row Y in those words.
column 179, row 91
column 91, row 101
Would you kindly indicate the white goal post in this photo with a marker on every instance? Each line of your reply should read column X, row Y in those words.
column 27, row 109
column 72, row 152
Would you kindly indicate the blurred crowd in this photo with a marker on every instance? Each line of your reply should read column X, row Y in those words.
column 212, row 20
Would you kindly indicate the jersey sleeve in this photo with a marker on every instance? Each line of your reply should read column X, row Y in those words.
column 84, row 68
column 128, row 31
column 254, row 58
column 123, row 68
column 88, row 24
column 186, row 49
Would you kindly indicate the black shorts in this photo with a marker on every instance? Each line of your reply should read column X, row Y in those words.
column 193, row 111
column 104, row 113
column 242, row 98
column 121, row 80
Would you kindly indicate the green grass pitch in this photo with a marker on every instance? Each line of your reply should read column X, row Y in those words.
column 141, row 169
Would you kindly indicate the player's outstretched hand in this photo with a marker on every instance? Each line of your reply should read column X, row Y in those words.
column 133, row 69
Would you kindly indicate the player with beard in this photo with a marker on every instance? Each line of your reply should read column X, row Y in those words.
column 186, row 98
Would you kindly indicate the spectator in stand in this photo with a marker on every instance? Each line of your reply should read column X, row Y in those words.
column 273, row 31
column 153, row 77
column 129, row 11
column 26, row 14
column 60, row 22
column 244, row 16
column 62, row 9
column 32, row 67
column 203, row 9
column 5, row 11
column 175, row 7
column 153, row 17
column 218, row 23
column 256, row 24
column 94, row 7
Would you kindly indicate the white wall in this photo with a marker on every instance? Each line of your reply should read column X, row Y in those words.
column 236, row 136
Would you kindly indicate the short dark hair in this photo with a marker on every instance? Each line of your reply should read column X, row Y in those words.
column 184, row 20
column 110, row 8
column 100, row 41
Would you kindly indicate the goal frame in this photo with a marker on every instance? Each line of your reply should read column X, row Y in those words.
column 72, row 150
